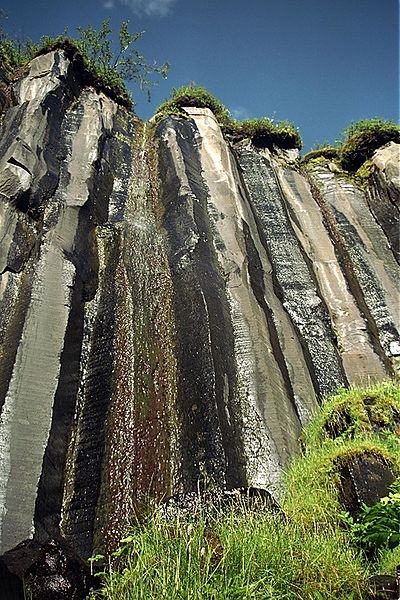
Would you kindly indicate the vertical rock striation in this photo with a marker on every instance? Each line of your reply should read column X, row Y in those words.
column 171, row 309
column 294, row 277
column 370, row 266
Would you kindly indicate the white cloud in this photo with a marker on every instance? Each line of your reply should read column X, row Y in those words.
column 159, row 8
column 240, row 113
column 109, row 4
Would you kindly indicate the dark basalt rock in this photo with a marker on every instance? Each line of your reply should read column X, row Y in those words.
column 365, row 479
column 384, row 587
column 50, row 571
column 11, row 585
column 208, row 503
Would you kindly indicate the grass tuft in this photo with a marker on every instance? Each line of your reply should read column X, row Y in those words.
column 356, row 411
column 264, row 132
column 357, row 146
column 362, row 138
column 324, row 152
column 238, row 555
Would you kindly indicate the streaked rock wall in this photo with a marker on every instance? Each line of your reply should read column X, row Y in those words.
column 172, row 309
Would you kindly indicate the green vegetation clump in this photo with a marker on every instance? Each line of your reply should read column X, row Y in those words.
column 192, row 95
column 326, row 151
column 353, row 153
column 356, row 412
column 107, row 69
column 362, row 138
column 263, row 132
column 379, row 525
column 310, row 551
column 357, row 146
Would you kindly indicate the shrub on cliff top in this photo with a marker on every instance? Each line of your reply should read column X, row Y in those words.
column 263, row 132
column 193, row 95
column 108, row 68
column 362, row 138
column 324, row 151
column 124, row 64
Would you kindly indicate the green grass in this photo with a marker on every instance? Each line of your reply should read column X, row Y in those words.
column 356, row 411
column 324, row 152
column 305, row 553
column 362, row 138
column 263, row 132
column 237, row 555
column 357, row 146
column 388, row 560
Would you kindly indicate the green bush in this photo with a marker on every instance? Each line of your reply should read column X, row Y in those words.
column 263, row 132
column 108, row 68
column 378, row 525
column 362, row 138
column 192, row 95
column 328, row 152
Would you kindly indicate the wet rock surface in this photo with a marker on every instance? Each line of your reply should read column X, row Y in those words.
column 371, row 268
column 210, row 504
column 171, row 309
column 294, row 278
column 365, row 479
column 383, row 193
column 50, row 571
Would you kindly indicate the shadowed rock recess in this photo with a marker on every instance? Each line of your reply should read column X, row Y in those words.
column 172, row 309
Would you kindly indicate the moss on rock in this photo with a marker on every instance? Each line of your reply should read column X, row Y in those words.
column 357, row 411
column 263, row 132
column 362, row 138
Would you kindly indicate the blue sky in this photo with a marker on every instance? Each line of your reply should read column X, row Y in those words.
column 318, row 63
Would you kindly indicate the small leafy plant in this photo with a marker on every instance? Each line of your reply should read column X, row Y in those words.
column 362, row 138
column 378, row 525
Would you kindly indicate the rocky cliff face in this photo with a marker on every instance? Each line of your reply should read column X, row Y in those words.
column 172, row 309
